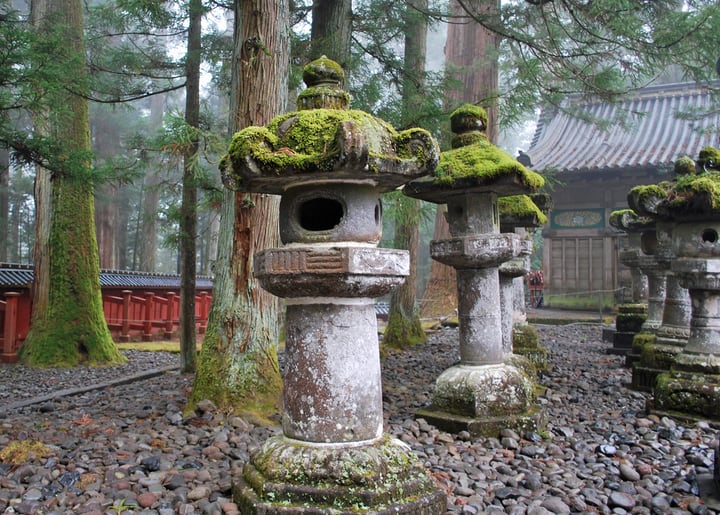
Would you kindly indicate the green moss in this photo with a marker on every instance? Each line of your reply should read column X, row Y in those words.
column 403, row 332
column 313, row 140
column 684, row 166
column 19, row 452
column 483, row 162
column 696, row 193
column 525, row 337
column 616, row 217
column 248, row 384
column 520, row 207
column 642, row 199
column 466, row 116
column 709, row 158
column 323, row 69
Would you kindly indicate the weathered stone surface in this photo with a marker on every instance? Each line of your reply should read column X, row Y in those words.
column 349, row 271
column 319, row 213
column 491, row 390
column 480, row 250
column 332, row 391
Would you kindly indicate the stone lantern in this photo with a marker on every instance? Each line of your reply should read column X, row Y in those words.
column 633, row 226
column 482, row 394
column 656, row 351
column 519, row 213
column 330, row 164
column 691, row 206
column 631, row 316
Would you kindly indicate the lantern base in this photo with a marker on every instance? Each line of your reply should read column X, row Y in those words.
column 291, row 477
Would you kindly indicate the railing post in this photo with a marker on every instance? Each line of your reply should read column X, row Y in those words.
column 148, row 316
column 170, row 318
column 204, row 310
column 9, row 352
column 125, row 322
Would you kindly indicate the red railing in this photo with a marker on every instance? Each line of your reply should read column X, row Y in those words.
column 130, row 316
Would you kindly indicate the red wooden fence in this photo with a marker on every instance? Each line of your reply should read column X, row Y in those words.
column 130, row 316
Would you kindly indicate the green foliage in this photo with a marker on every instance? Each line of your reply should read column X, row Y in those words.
column 598, row 49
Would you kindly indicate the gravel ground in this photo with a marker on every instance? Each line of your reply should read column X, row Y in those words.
column 127, row 448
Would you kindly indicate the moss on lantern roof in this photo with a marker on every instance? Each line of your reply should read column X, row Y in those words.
column 695, row 194
column 321, row 141
column 520, row 211
column 692, row 196
column 616, row 217
column 684, row 166
column 629, row 221
column 468, row 116
column 644, row 199
column 709, row 158
column 482, row 162
column 323, row 69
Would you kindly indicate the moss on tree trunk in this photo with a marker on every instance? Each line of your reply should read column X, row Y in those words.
column 71, row 328
column 237, row 367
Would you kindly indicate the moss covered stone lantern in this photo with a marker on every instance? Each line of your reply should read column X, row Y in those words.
column 482, row 393
column 691, row 207
column 632, row 315
column 627, row 221
column 518, row 214
column 330, row 164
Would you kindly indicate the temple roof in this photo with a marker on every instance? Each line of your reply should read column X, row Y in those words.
column 21, row 276
column 652, row 135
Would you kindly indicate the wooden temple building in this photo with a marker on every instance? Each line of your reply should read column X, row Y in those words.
column 594, row 153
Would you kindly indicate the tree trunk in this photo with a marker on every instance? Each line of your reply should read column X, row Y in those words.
column 471, row 52
column 71, row 327
column 147, row 244
column 404, row 328
column 106, row 215
column 471, row 56
column 238, row 367
column 331, row 30
column 4, row 202
column 188, row 209
column 107, row 201
column 440, row 297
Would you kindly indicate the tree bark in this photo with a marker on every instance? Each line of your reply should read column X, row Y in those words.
column 188, row 208
column 331, row 30
column 4, row 202
column 404, row 328
column 71, row 326
column 238, row 367
column 147, row 244
column 471, row 57
column 471, row 52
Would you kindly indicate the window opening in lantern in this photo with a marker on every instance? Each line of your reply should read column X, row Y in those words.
column 320, row 214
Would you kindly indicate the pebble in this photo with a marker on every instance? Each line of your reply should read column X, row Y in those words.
column 130, row 448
